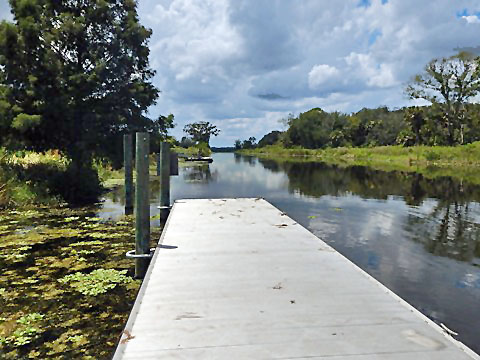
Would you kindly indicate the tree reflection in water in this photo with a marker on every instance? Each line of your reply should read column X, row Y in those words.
column 199, row 173
column 444, row 212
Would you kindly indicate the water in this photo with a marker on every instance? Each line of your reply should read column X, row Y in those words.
column 419, row 237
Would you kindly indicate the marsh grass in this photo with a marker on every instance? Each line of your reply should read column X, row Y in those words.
column 29, row 178
column 81, row 316
column 461, row 162
column 203, row 149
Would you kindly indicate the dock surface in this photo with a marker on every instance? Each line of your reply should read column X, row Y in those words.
column 238, row 279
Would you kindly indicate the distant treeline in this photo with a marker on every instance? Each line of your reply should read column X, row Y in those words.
column 222, row 149
column 408, row 126
column 448, row 84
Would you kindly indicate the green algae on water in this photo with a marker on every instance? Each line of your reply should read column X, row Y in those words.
column 66, row 288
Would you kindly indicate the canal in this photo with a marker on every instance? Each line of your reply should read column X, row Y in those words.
column 419, row 237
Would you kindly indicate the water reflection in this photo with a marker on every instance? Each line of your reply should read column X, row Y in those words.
column 449, row 229
column 251, row 160
column 318, row 179
column 418, row 236
column 199, row 173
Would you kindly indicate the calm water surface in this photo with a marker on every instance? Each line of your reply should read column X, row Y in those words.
column 419, row 237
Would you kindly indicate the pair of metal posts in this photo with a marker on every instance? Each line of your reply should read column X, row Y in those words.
column 142, row 202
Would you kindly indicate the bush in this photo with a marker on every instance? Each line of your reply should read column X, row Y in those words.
column 31, row 178
column 76, row 186
column 432, row 156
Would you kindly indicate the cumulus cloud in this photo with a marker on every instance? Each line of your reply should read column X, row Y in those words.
column 373, row 73
column 320, row 74
column 471, row 19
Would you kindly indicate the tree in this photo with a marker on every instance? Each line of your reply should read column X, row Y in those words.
column 238, row 144
column 201, row 131
column 249, row 143
column 75, row 76
column 415, row 119
column 186, row 142
column 449, row 83
column 158, row 130
column 312, row 128
column 269, row 139
column 286, row 122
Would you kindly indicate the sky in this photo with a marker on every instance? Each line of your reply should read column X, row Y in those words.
column 243, row 65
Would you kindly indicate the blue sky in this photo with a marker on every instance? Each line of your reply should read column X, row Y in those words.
column 245, row 64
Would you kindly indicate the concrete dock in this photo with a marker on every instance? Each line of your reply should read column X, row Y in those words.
column 238, row 279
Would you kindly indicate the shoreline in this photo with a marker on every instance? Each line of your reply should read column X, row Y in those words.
column 460, row 162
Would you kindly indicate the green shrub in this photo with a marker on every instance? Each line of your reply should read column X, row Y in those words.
column 32, row 178
column 432, row 156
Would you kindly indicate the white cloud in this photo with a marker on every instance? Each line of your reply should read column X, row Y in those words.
column 373, row 73
column 471, row 19
column 321, row 74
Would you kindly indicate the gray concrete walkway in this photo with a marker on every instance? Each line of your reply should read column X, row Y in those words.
column 237, row 279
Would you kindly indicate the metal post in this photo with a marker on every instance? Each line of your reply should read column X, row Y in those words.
column 164, row 181
column 142, row 205
column 158, row 165
column 128, row 165
column 173, row 163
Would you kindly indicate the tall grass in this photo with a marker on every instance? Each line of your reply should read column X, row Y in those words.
column 25, row 177
column 201, row 149
column 464, row 155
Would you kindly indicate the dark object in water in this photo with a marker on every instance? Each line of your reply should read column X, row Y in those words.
column 201, row 158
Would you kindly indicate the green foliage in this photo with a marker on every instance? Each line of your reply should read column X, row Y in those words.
column 201, row 131
column 318, row 129
column 449, row 83
column 238, row 144
column 97, row 282
column 23, row 122
column 74, row 325
column 201, row 149
column 432, row 156
column 26, row 177
column 74, row 76
column 25, row 332
column 460, row 161
column 250, row 143
column 186, row 142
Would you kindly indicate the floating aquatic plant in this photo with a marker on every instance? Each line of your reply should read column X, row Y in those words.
column 44, row 247
column 87, row 243
column 26, row 330
column 97, row 282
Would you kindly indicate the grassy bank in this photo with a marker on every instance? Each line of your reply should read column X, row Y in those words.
column 193, row 150
column 460, row 161
column 28, row 178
